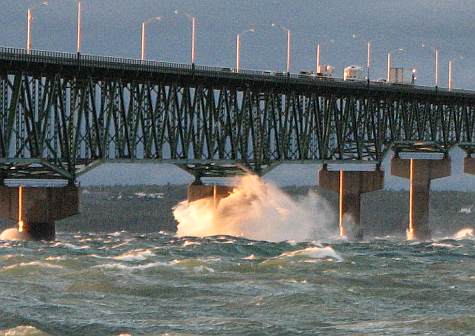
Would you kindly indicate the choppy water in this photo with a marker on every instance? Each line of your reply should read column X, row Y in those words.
column 158, row 284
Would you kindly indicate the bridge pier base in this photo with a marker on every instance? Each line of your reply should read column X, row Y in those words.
column 469, row 165
column 197, row 191
column 36, row 209
column 350, row 183
column 420, row 172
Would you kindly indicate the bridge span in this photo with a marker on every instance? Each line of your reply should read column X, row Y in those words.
column 61, row 113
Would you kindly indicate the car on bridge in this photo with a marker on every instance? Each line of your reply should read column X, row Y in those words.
column 325, row 71
column 307, row 74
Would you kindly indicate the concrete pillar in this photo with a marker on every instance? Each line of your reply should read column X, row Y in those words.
column 469, row 165
column 201, row 191
column 39, row 208
column 419, row 172
column 350, row 185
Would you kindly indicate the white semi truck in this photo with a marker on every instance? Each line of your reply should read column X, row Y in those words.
column 354, row 73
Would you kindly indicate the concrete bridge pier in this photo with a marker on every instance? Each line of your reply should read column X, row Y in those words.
column 420, row 170
column 351, row 180
column 198, row 191
column 35, row 209
column 469, row 165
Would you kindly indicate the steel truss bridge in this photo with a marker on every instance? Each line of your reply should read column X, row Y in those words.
column 62, row 112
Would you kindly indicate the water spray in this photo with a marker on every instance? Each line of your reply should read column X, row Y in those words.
column 257, row 210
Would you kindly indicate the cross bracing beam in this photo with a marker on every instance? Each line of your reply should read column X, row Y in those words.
column 73, row 111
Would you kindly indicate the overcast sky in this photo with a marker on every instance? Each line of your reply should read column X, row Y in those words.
column 112, row 27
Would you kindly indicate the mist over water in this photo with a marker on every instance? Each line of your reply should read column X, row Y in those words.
column 257, row 210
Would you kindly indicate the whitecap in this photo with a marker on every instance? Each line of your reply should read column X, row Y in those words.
column 203, row 269
column 125, row 267
column 33, row 263
column 13, row 234
column 58, row 258
column 75, row 247
column 117, row 233
column 24, row 331
column 315, row 253
column 443, row 245
column 135, row 255
column 190, row 243
column 251, row 257
column 464, row 234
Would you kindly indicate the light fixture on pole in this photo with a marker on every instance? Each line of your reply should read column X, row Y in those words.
column 193, row 34
column 289, row 44
column 29, row 23
column 238, row 46
column 143, row 36
column 389, row 61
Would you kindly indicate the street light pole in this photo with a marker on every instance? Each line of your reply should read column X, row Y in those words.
column 450, row 75
column 193, row 33
column 29, row 26
column 142, row 42
column 238, row 47
column 78, row 45
column 436, row 67
column 436, row 63
column 368, row 48
column 29, row 18
column 238, row 51
column 318, row 58
column 451, row 64
column 389, row 66
column 368, row 63
column 389, row 61
column 143, row 36
column 193, row 40
column 289, row 46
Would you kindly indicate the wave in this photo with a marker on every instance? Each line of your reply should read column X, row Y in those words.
column 119, row 266
column 135, row 255
column 38, row 264
column 23, row 331
column 314, row 253
column 466, row 233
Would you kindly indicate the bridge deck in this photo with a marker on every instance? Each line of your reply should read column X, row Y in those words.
column 68, row 110
column 42, row 63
